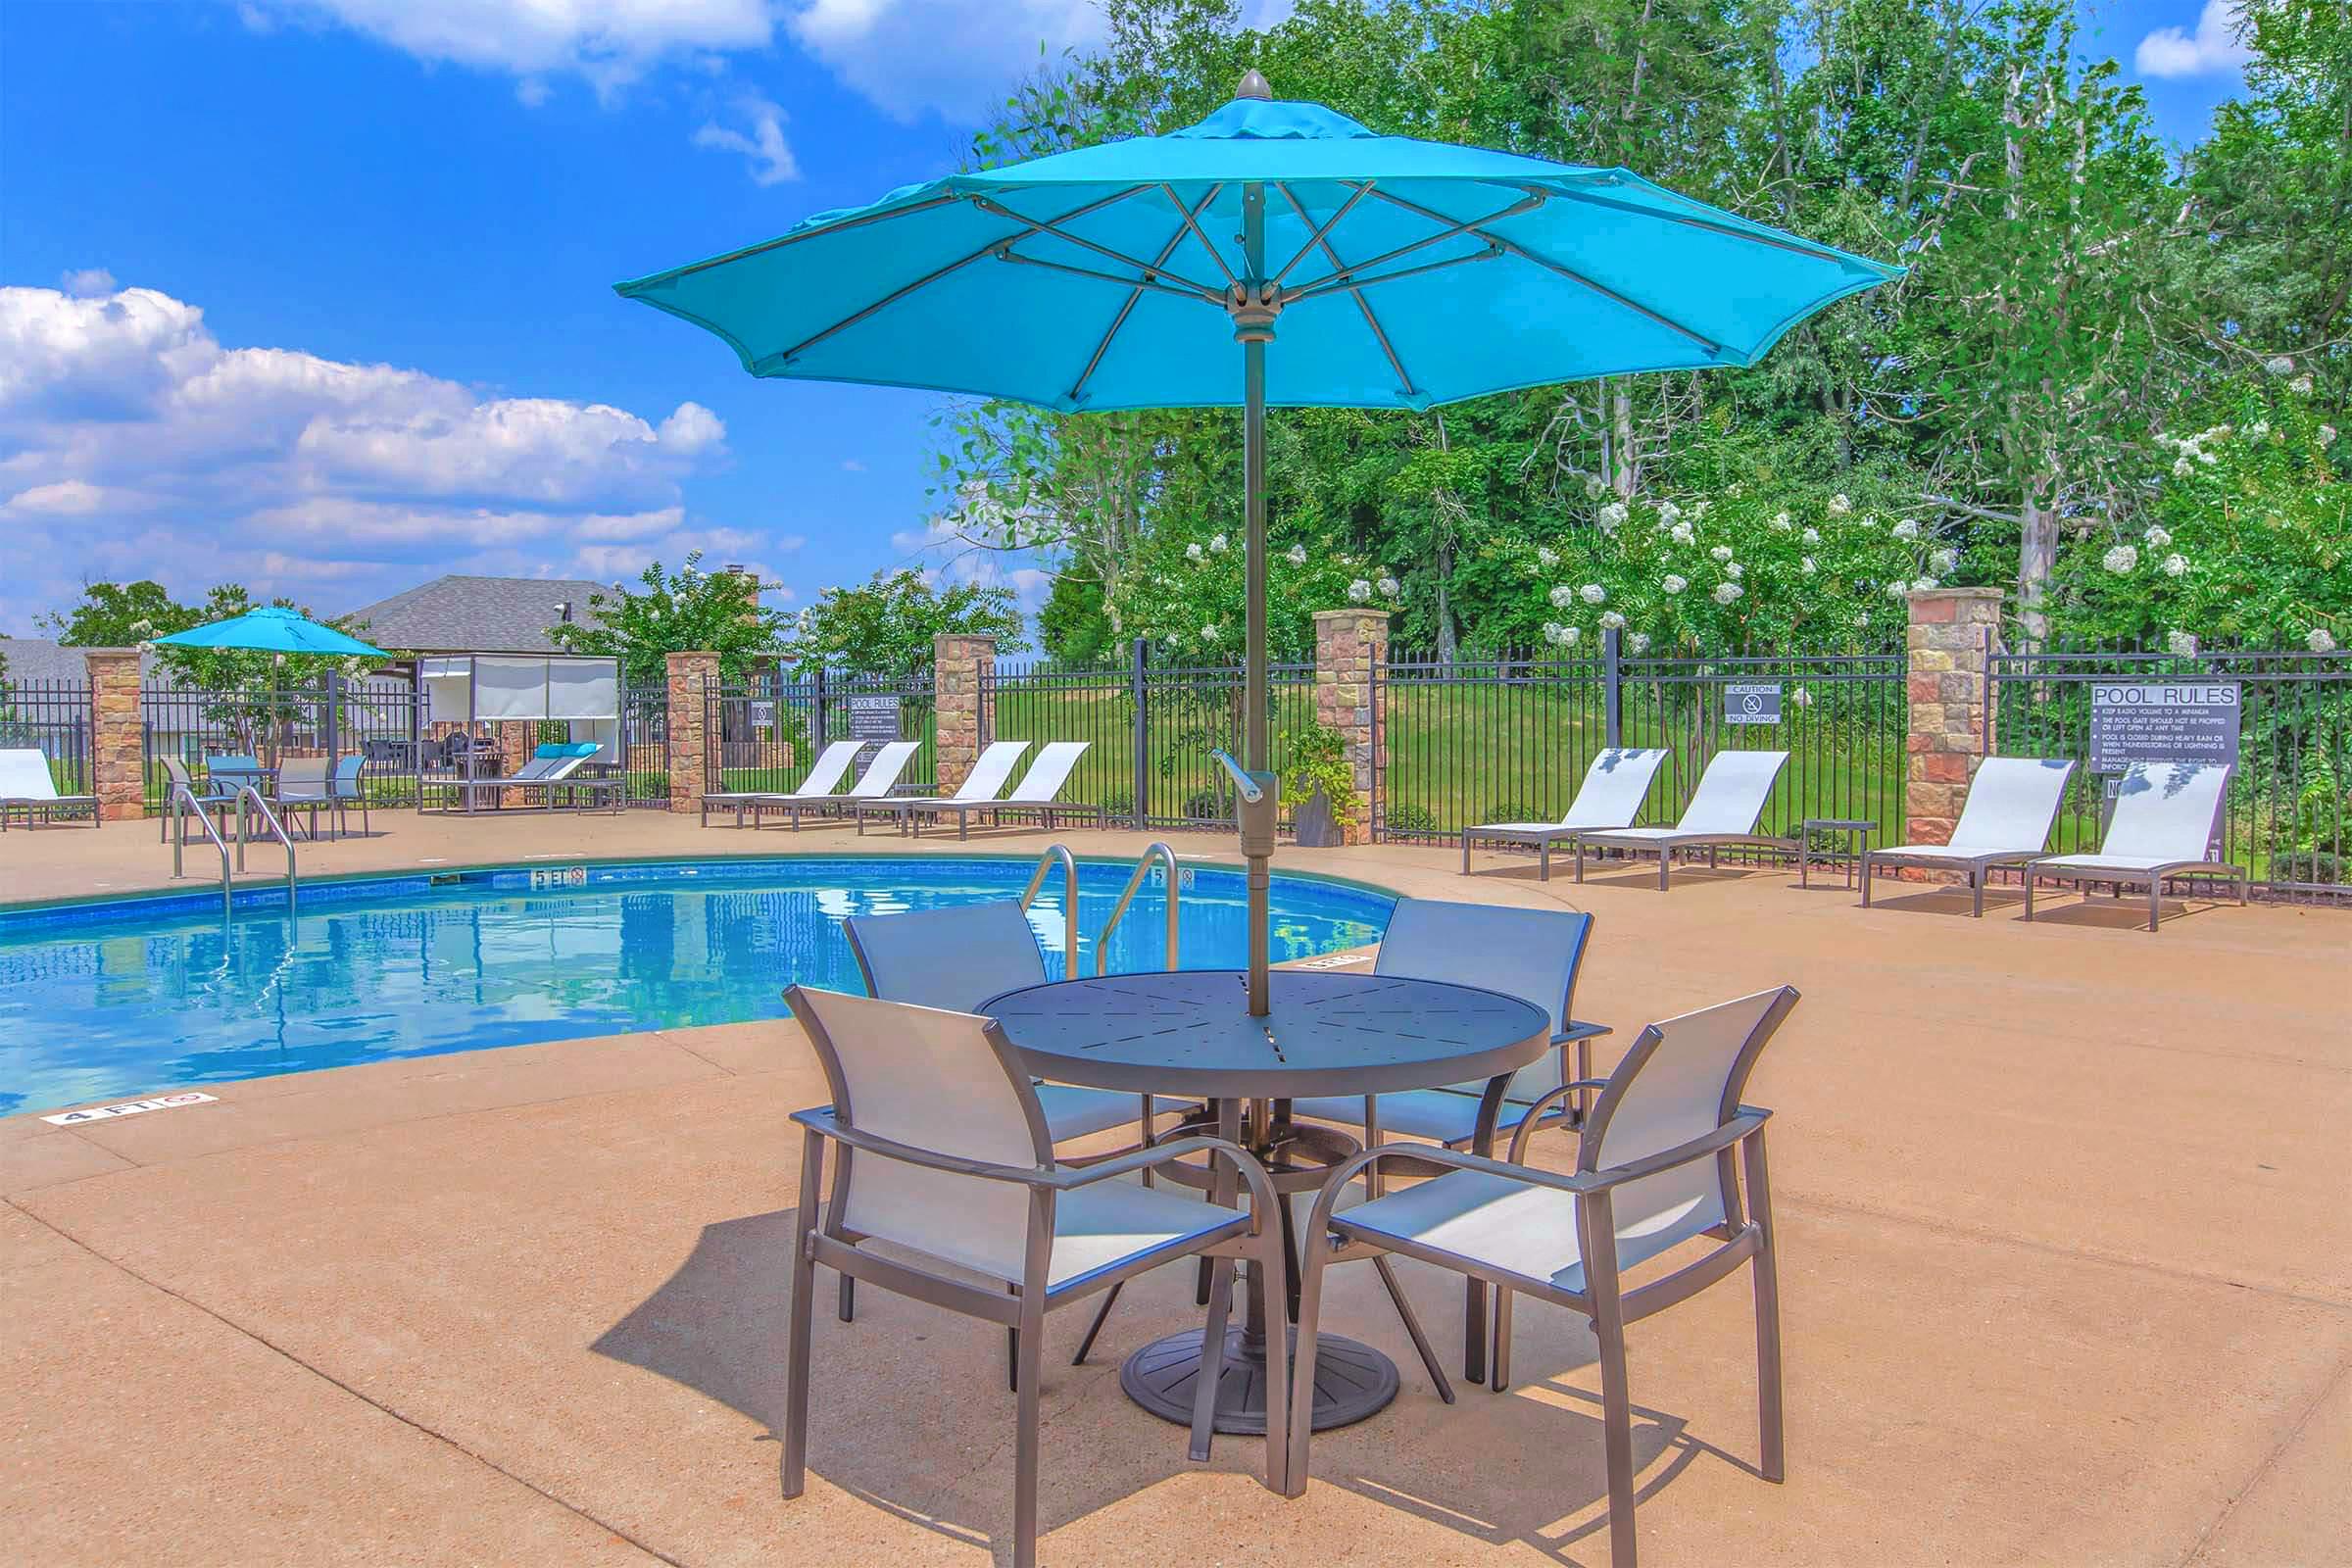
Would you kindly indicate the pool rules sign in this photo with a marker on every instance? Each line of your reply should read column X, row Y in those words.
column 2162, row 721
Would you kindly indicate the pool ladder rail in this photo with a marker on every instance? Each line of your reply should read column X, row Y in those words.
column 249, row 800
column 1058, row 855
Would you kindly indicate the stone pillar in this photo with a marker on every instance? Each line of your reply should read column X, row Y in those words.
column 692, row 677
column 1950, row 633
column 117, row 746
column 962, row 668
column 1349, row 645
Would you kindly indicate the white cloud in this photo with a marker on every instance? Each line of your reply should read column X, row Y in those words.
column 132, row 442
column 607, row 43
column 851, row 465
column 951, row 58
column 2212, row 50
column 763, row 146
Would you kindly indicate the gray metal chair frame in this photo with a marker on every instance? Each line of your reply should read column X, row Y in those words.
column 1953, row 857
column 1745, row 1236
column 1022, row 1304
column 302, row 786
column 176, row 776
column 1663, row 842
column 1036, row 795
column 1602, row 801
column 991, row 773
column 48, row 803
column 817, row 786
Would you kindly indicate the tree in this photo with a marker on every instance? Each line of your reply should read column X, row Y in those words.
column 690, row 611
column 121, row 614
column 885, row 627
column 133, row 615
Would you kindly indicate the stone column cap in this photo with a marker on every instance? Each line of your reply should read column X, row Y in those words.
column 112, row 653
column 691, row 653
column 1360, row 611
column 1954, row 593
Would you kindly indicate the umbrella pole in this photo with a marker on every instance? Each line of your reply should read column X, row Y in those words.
column 1256, row 331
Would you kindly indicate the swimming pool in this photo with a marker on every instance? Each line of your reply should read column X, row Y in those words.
column 107, row 1001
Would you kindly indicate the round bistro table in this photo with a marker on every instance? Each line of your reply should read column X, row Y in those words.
column 1189, row 1034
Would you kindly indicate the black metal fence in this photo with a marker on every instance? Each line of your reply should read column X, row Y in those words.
column 1150, row 728
column 1508, row 738
column 765, row 733
column 52, row 717
column 645, row 744
column 380, row 721
column 2287, row 817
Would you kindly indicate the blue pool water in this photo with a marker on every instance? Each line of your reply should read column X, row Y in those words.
column 102, row 1002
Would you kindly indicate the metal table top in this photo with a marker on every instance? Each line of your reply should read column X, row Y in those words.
column 1189, row 1033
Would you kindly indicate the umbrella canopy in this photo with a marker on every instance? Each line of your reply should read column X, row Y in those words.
column 1394, row 273
column 270, row 629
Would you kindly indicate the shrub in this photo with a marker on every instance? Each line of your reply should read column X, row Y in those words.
column 1409, row 818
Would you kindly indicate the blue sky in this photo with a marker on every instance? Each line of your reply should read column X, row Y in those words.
column 315, row 294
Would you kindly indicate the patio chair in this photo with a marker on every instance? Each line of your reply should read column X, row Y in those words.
column 823, row 778
column 302, row 786
column 1530, row 953
column 944, row 1155
column 1655, row 1170
column 212, row 793
column 2012, row 804
column 980, row 786
column 1038, row 792
column 2163, row 826
column 26, row 787
column 344, row 791
column 1724, row 809
column 1611, row 795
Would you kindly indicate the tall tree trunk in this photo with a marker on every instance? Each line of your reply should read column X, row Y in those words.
column 2037, row 559
column 1622, row 477
column 1446, row 632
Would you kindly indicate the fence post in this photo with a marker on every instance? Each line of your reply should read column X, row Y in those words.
column 1140, row 683
column 1348, row 643
column 1947, row 683
column 691, row 676
column 118, row 747
column 1612, row 687
column 334, row 719
column 818, row 735
column 962, row 668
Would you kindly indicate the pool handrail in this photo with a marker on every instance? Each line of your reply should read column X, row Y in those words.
column 1069, row 898
column 277, row 828
column 1158, row 852
column 183, row 800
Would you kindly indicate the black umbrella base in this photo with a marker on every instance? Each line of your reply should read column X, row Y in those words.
column 1352, row 1380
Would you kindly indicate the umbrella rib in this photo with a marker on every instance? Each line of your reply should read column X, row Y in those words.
column 1053, row 227
column 1314, row 241
column 1193, row 224
column 860, row 221
column 1348, row 283
column 932, row 277
column 1713, row 348
column 1820, row 253
column 1005, row 252
column 1371, row 320
column 1136, row 292
column 1453, row 230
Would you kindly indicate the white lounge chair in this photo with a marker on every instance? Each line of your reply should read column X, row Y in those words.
column 2011, row 805
column 1724, row 809
column 2162, row 826
column 980, row 787
column 824, row 777
column 944, row 1158
column 1668, row 1157
column 1039, row 791
column 1611, row 795
column 26, row 788
column 551, row 764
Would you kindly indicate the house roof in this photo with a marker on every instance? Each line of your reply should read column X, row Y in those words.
column 475, row 614
column 41, row 659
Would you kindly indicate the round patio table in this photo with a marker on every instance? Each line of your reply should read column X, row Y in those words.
column 1188, row 1033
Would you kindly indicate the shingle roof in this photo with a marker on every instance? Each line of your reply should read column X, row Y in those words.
column 40, row 659
column 475, row 615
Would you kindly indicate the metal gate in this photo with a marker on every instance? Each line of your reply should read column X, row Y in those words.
column 2287, row 817
column 52, row 717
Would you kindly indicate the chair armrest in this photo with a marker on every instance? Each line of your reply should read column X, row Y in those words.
column 1526, row 1120
column 822, row 1120
column 1263, row 1201
column 1579, row 1030
column 1746, row 1124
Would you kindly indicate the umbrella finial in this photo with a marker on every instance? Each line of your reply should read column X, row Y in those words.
column 1253, row 85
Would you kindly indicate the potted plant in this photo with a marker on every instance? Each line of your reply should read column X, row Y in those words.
column 1323, row 784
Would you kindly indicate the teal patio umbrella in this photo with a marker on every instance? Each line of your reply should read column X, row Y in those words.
column 1382, row 272
column 272, row 630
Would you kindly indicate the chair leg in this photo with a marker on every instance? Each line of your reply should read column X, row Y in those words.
column 1474, row 1331
column 1102, row 1314
column 1412, row 1327
column 1665, row 859
column 1312, row 1268
column 2155, row 898
column 1212, row 1360
column 1771, row 1435
column 847, row 1312
column 2028, row 895
column 1579, row 858
column 1012, row 1352
column 1866, row 880
column 1976, row 888
column 1498, row 1372
column 1024, row 1449
column 1617, row 1435
column 803, row 1287
column 1465, row 851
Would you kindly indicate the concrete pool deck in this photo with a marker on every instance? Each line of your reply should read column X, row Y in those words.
column 2067, row 1276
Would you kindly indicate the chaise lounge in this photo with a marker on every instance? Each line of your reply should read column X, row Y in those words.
column 2006, row 820
column 2163, row 826
column 1724, row 809
column 26, row 787
column 1610, row 797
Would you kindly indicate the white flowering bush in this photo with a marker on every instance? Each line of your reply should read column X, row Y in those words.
column 1185, row 594
column 2246, row 543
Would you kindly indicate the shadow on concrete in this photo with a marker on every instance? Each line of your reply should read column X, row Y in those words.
column 909, row 1412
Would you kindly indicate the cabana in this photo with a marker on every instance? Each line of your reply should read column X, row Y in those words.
column 582, row 694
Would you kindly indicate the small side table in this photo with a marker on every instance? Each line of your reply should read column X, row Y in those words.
column 1858, row 826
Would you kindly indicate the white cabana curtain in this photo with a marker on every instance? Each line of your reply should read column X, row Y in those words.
column 501, row 686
